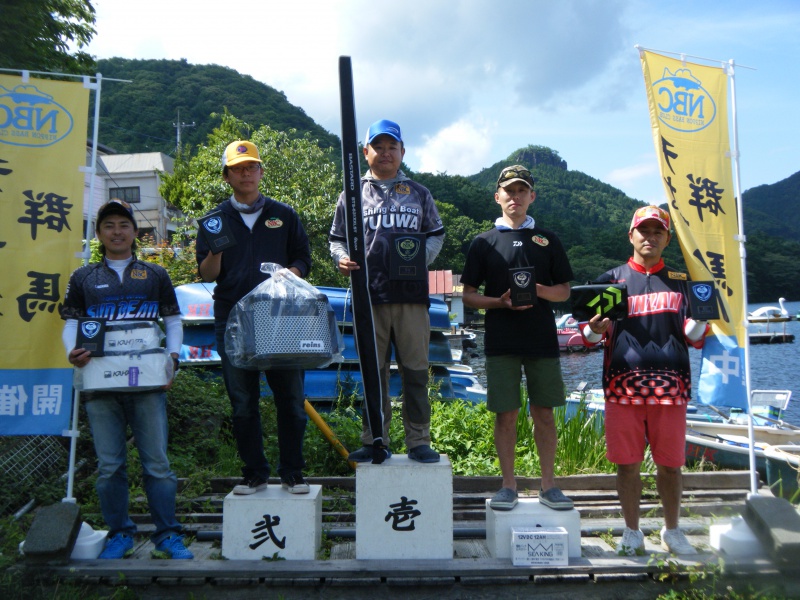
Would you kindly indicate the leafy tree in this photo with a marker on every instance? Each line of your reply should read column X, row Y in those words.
column 459, row 233
column 296, row 171
column 37, row 35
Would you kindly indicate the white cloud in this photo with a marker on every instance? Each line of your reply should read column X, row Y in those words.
column 625, row 177
column 462, row 148
column 561, row 74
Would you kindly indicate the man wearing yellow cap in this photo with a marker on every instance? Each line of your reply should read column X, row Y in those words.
column 647, row 378
column 265, row 230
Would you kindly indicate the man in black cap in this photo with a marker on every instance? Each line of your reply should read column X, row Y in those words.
column 520, row 337
column 124, row 288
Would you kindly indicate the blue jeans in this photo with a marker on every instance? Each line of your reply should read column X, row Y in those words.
column 244, row 391
column 110, row 413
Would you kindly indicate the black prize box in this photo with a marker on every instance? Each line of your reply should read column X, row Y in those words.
column 407, row 257
column 217, row 232
column 522, row 282
column 703, row 301
column 91, row 335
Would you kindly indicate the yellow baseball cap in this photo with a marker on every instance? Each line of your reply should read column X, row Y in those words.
column 238, row 152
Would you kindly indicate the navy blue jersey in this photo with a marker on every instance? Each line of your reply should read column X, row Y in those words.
column 277, row 237
column 144, row 294
column 406, row 207
column 529, row 332
column 646, row 357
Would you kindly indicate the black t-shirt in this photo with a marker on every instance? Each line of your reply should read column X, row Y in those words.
column 529, row 332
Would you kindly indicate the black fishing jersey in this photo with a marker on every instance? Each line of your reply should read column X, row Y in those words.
column 646, row 358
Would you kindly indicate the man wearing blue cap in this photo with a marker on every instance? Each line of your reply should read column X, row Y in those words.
column 395, row 208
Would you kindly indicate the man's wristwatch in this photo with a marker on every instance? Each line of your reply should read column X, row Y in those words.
column 176, row 364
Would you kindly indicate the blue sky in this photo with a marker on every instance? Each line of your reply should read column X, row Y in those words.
column 471, row 81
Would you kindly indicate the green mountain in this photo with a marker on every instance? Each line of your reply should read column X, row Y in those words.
column 140, row 116
column 590, row 217
column 773, row 209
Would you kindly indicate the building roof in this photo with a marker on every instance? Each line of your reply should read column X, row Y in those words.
column 441, row 282
column 145, row 162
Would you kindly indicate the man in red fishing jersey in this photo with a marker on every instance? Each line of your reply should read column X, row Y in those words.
column 647, row 378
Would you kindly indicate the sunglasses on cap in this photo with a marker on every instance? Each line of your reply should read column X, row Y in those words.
column 516, row 173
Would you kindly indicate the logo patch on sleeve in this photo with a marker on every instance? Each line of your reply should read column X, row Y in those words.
column 541, row 240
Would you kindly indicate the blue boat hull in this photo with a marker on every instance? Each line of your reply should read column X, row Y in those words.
column 199, row 348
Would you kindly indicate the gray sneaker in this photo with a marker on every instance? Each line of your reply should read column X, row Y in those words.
column 505, row 499
column 554, row 498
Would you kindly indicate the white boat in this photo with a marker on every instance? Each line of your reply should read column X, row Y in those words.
column 770, row 314
column 727, row 445
column 712, row 436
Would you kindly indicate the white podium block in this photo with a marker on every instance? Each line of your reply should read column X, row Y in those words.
column 404, row 509
column 272, row 521
column 526, row 514
column 735, row 539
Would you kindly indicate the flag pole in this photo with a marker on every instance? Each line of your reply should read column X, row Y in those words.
column 74, row 433
column 741, row 238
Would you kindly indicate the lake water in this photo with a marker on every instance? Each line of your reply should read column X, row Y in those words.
column 772, row 366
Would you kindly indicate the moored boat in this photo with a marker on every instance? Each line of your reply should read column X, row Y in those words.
column 783, row 470
column 727, row 445
column 323, row 386
column 569, row 335
column 711, row 436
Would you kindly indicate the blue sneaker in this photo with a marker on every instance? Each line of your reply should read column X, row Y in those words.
column 172, row 547
column 118, row 546
column 423, row 454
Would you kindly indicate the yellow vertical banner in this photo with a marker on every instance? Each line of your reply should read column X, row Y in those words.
column 42, row 149
column 689, row 117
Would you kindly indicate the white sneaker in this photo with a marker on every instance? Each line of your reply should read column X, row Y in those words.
column 673, row 541
column 632, row 543
column 249, row 486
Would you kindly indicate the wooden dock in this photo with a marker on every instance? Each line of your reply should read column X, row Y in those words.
column 472, row 573
column 775, row 337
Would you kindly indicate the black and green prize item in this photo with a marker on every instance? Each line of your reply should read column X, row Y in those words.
column 363, row 325
column 609, row 300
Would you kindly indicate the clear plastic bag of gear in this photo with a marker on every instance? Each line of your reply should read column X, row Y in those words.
column 284, row 322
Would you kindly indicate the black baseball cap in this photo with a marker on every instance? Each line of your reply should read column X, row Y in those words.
column 115, row 207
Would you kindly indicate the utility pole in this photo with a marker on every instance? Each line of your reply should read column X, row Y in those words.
column 180, row 126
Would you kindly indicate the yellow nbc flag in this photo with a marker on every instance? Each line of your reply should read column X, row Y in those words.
column 42, row 149
column 689, row 117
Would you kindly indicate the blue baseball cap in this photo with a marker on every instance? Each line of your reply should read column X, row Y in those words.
column 382, row 127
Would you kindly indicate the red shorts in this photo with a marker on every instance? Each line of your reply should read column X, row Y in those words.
column 629, row 428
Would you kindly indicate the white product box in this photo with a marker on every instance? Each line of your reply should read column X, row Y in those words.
column 132, row 336
column 125, row 372
column 539, row 547
column 404, row 509
column 529, row 513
